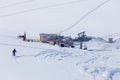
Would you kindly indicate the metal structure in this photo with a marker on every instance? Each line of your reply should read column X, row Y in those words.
column 82, row 38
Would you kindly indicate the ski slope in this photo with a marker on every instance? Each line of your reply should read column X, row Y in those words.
column 38, row 61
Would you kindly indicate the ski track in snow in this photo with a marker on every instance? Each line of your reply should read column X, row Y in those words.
column 112, row 73
column 89, row 66
column 50, row 53
column 88, row 61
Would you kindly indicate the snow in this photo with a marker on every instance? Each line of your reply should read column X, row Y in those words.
column 41, row 61
column 35, row 61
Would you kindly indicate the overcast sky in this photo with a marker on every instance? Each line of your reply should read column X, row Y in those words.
column 39, row 16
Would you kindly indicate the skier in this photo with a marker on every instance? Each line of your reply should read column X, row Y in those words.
column 14, row 51
column 24, row 36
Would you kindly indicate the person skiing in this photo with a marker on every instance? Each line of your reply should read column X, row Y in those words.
column 14, row 51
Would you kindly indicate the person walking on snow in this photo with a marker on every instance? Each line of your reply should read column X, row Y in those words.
column 14, row 51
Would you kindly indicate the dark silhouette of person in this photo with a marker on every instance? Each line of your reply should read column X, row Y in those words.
column 14, row 51
column 24, row 36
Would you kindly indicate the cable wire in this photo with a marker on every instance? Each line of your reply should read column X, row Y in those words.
column 34, row 9
column 84, row 16
column 7, row 44
column 17, row 3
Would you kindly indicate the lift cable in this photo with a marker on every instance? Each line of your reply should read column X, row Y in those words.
column 84, row 16
column 17, row 3
column 45, row 7
column 7, row 44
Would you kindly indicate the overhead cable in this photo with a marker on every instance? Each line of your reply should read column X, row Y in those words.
column 14, row 4
column 34, row 9
column 84, row 16
column 7, row 44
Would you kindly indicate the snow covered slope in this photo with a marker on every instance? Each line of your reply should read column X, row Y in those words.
column 38, row 61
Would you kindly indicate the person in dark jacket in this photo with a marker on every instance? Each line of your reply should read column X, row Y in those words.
column 14, row 51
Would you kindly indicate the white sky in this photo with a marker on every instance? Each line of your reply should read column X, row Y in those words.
column 103, row 21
